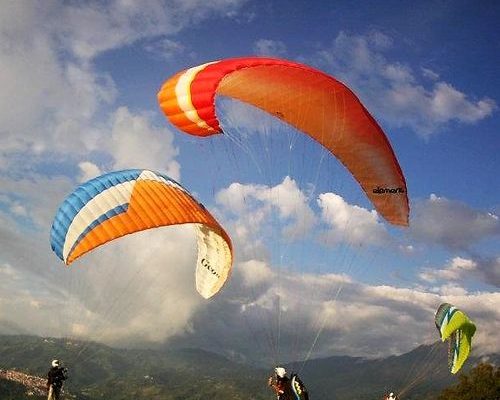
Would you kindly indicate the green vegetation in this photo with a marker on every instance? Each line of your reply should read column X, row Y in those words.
column 482, row 383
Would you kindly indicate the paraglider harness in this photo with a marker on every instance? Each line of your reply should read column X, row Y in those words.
column 56, row 377
column 289, row 388
column 282, row 387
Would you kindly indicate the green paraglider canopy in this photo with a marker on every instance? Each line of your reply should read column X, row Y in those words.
column 454, row 325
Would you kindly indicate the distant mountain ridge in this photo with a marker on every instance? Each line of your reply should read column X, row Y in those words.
column 102, row 372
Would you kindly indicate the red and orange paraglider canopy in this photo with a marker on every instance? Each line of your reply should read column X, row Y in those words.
column 308, row 99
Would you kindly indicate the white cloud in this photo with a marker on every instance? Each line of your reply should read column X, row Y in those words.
column 489, row 270
column 92, row 28
column 38, row 195
column 58, row 101
column 461, row 269
column 449, row 103
column 350, row 223
column 136, row 143
column 393, row 91
column 137, row 289
column 299, row 306
column 430, row 74
column 88, row 170
column 252, row 205
column 438, row 220
column 452, row 271
column 8, row 272
column 166, row 48
column 452, row 289
column 244, row 218
column 291, row 203
column 261, row 218
column 408, row 249
column 52, row 100
column 19, row 210
column 269, row 47
column 254, row 272
column 141, row 289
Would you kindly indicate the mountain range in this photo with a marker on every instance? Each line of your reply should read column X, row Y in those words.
column 97, row 371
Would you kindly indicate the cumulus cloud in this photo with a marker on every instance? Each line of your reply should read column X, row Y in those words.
column 350, row 223
column 489, row 270
column 148, row 278
column 92, row 28
column 393, row 90
column 319, row 315
column 252, row 205
column 165, row 48
column 38, row 195
column 136, row 143
column 53, row 104
column 88, row 170
column 461, row 269
column 58, row 101
column 262, row 217
column 451, row 224
column 453, row 271
column 59, row 126
column 255, row 272
column 268, row 47
column 139, row 289
column 50, row 106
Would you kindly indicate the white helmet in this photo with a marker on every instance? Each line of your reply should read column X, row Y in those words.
column 280, row 371
column 55, row 363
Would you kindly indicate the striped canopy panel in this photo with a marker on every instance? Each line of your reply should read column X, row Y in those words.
column 124, row 202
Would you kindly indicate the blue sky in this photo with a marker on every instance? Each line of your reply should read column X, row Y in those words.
column 80, row 82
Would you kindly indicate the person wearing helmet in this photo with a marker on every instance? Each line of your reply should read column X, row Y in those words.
column 392, row 396
column 55, row 380
column 280, row 384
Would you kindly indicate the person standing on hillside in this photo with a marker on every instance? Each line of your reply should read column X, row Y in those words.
column 55, row 380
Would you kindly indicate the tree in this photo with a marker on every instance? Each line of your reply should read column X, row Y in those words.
column 482, row 383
